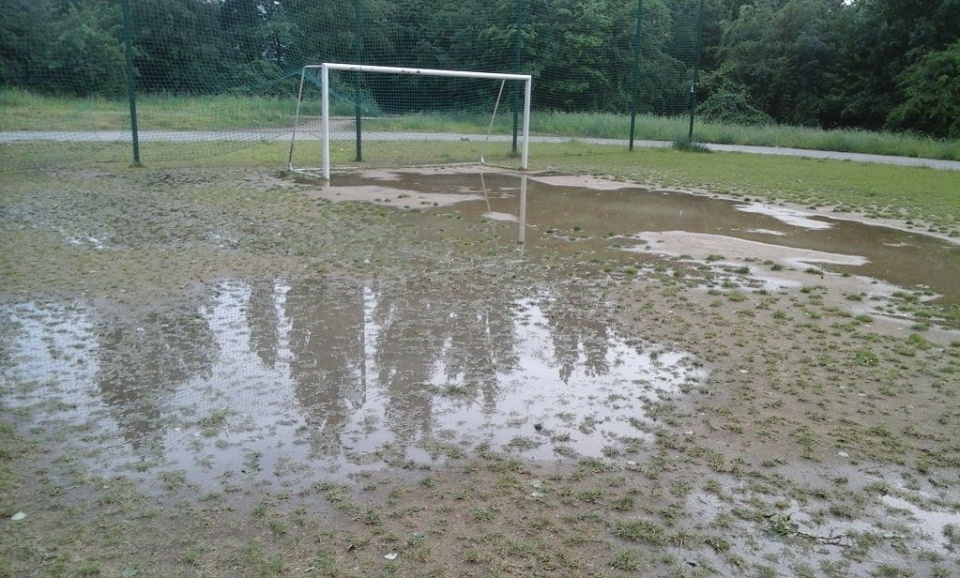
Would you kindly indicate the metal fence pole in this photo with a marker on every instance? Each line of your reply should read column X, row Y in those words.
column 517, row 65
column 131, row 80
column 357, row 55
column 635, row 97
column 696, row 70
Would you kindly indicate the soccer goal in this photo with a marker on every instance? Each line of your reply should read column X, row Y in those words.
column 380, row 116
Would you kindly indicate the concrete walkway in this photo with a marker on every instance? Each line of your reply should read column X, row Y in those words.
column 285, row 135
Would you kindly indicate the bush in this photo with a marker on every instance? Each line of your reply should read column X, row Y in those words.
column 931, row 86
column 732, row 108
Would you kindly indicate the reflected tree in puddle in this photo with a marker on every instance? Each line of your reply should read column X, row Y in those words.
column 145, row 361
column 576, row 340
column 398, row 365
column 327, row 355
column 348, row 377
column 408, row 339
column 433, row 340
column 264, row 318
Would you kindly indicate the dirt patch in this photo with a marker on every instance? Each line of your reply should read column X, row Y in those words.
column 389, row 197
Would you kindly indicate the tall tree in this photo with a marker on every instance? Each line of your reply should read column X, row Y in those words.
column 72, row 48
column 179, row 46
column 883, row 42
column 782, row 55
column 931, row 89
column 24, row 45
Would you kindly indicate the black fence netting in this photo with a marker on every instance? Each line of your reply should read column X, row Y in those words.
column 93, row 81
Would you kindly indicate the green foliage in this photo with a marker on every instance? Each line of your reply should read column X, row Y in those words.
column 179, row 48
column 817, row 63
column 931, row 87
column 65, row 48
column 879, row 42
column 780, row 55
column 730, row 104
column 690, row 147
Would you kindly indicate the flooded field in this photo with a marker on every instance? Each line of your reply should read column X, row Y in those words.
column 605, row 214
column 338, row 377
column 671, row 382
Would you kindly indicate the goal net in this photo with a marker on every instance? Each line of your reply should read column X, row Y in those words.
column 379, row 116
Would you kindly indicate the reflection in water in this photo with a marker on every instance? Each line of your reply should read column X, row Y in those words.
column 932, row 523
column 347, row 377
column 425, row 338
column 569, row 386
column 557, row 210
column 578, row 343
column 144, row 361
column 340, row 376
column 50, row 360
column 327, row 353
column 265, row 310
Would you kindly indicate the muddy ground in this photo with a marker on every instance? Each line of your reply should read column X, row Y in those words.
column 438, row 373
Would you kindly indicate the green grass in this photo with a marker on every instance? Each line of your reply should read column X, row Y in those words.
column 886, row 191
column 878, row 190
column 643, row 531
column 26, row 111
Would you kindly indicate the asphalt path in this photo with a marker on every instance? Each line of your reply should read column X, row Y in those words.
column 286, row 134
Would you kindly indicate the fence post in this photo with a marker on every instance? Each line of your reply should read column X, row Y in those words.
column 696, row 70
column 357, row 55
column 131, row 81
column 517, row 65
column 635, row 97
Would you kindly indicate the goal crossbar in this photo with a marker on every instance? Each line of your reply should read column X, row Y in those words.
column 325, row 69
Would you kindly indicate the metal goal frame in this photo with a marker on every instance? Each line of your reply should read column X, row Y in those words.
column 326, row 67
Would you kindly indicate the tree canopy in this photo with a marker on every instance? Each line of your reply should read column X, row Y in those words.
column 891, row 64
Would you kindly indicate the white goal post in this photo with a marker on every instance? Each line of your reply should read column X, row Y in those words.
column 325, row 69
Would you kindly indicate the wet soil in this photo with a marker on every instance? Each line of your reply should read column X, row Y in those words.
column 481, row 372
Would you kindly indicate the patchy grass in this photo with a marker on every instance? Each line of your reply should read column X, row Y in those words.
column 811, row 416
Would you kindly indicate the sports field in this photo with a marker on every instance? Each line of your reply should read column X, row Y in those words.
column 656, row 363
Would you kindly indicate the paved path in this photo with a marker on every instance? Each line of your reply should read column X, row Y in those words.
column 285, row 134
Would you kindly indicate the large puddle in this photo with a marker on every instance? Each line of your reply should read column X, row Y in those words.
column 774, row 240
column 261, row 380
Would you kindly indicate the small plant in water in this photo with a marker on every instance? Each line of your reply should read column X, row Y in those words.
column 781, row 525
column 641, row 531
column 628, row 561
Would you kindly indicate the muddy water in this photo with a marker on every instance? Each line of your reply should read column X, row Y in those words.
column 277, row 381
column 681, row 224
